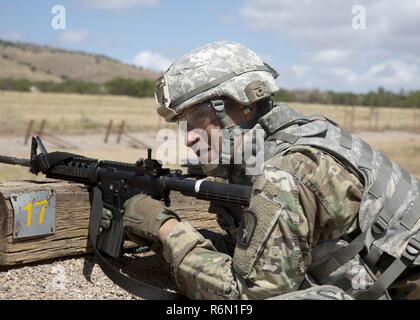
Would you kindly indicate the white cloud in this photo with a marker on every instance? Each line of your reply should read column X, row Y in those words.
column 332, row 56
column 391, row 74
column 394, row 73
column 320, row 24
column 118, row 4
column 152, row 60
column 70, row 37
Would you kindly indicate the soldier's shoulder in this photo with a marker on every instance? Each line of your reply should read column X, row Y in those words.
column 299, row 160
column 308, row 164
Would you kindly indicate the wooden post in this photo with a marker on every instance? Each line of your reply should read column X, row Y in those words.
column 72, row 220
column 108, row 131
column 29, row 131
column 120, row 131
column 42, row 127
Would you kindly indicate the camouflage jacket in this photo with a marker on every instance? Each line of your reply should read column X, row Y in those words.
column 302, row 197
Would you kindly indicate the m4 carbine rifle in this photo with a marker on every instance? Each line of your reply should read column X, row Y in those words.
column 112, row 184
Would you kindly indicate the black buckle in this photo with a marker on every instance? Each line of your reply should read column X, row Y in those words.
column 217, row 104
column 380, row 226
column 412, row 250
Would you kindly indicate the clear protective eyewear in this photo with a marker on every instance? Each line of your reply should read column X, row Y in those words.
column 198, row 117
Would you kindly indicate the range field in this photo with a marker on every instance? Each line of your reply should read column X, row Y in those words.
column 83, row 121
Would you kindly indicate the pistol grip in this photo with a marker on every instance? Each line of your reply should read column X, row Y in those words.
column 111, row 240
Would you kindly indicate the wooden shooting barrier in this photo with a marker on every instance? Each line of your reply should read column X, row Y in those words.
column 72, row 210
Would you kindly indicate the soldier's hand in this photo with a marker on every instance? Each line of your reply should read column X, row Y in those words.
column 143, row 217
column 106, row 220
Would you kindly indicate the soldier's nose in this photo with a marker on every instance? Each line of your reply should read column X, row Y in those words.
column 191, row 138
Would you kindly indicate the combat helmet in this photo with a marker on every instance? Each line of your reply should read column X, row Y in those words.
column 221, row 68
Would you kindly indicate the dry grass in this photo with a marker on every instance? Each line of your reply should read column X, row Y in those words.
column 388, row 118
column 406, row 152
column 14, row 70
column 73, row 113
column 85, row 114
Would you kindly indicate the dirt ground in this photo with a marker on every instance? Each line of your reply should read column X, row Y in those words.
column 80, row 278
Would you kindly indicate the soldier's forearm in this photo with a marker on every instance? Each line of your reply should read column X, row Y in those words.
column 200, row 271
column 166, row 228
column 207, row 274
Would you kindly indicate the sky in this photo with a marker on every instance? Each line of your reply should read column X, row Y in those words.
column 341, row 45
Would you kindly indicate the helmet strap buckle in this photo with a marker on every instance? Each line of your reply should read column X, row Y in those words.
column 218, row 105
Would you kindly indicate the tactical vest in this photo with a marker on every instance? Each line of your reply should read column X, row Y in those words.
column 390, row 207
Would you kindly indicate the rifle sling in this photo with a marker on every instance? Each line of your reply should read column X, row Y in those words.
column 135, row 287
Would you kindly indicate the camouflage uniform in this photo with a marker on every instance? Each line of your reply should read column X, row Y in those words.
column 319, row 186
column 302, row 197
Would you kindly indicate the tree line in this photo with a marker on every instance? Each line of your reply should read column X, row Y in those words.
column 145, row 88
column 379, row 97
column 129, row 87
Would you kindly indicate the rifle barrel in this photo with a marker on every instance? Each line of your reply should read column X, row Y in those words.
column 15, row 161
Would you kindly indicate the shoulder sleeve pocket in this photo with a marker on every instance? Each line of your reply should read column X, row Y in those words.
column 257, row 225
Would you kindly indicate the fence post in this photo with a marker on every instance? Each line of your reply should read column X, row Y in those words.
column 120, row 131
column 28, row 131
column 42, row 127
column 108, row 131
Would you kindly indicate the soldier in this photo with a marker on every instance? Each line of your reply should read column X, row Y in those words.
column 329, row 217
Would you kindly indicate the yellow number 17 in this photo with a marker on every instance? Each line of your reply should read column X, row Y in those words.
column 28, row 208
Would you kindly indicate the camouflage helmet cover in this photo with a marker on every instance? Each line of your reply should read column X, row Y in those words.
column 221, row 68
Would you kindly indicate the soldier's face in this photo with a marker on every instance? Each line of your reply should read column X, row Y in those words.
column 204, row 133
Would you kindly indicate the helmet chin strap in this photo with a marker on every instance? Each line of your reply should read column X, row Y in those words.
column 224, row 167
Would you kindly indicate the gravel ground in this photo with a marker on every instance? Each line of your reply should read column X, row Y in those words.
column 81, row 278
